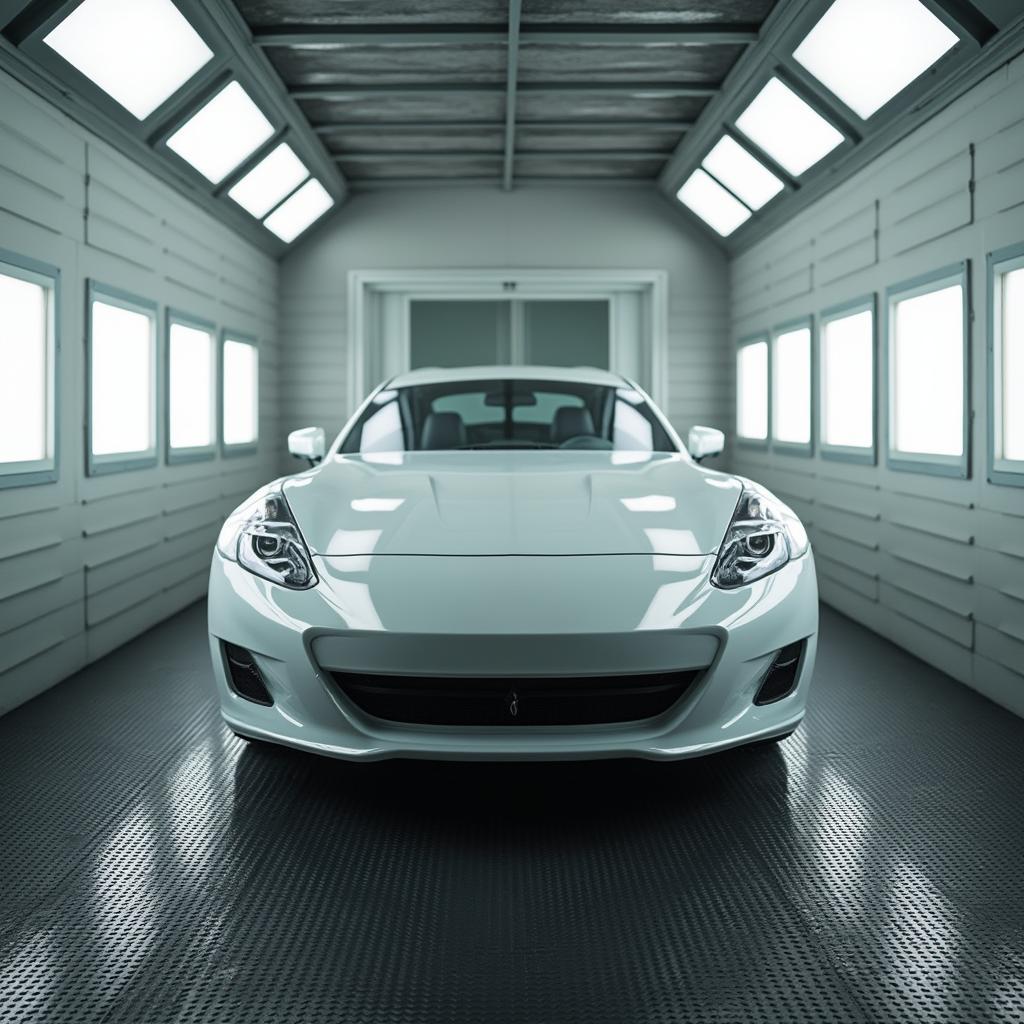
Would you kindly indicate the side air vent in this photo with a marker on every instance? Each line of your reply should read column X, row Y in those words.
column 782, row 676
column 244, row 675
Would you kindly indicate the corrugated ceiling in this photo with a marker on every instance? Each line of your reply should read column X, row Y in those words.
column 418, row 89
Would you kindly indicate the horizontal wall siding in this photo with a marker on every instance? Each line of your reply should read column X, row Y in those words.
column 529, row 229
column 86, row 563
column 935, row 564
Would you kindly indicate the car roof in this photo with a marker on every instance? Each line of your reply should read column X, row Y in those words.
column 445, row 375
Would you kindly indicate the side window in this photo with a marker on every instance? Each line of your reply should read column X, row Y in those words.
column 791, row 389
column 380, row 427
column 846, row 357
column 122, row 381
column 191, row 389
column 240, row 393
column 927, row 363
column 28, row 356
column 631, row 430
column 1006, row 378
column 752, row 390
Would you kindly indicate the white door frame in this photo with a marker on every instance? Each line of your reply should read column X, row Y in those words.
column 371, row 318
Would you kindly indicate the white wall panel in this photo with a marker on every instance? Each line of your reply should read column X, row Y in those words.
column 532, row 228
column 933, row 563
column 87, row 563
column 42, row 165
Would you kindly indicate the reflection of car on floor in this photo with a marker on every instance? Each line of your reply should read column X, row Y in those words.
column 512, row 562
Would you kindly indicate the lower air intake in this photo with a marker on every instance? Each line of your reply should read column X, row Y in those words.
column 244, row 675
column 486, row 701
column 782, row 676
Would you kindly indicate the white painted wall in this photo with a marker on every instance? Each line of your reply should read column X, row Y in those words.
column 87, row 563
column 532, row 228
column 935, row 564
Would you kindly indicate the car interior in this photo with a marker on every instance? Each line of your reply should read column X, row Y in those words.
column 509, row 414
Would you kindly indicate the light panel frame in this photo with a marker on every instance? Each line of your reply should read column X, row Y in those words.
column 944, row 20
column 101, row 465
column 74, row 32
column 238, row 179
column 1007, row 472
column 958, row 466
column 865, row 141
column 728, row 136
column 848, row 453
column 793, row 447
column 287, row 198
column 250, row 160
column 82, row 85
column 758, row 443
column 204, row 452
column 804, row 95
column 248, row 447
column 144, row 142
column 47, row 276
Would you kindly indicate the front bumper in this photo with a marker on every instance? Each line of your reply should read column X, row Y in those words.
column 513, row 615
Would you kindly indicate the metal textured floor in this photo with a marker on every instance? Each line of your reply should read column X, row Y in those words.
column 155, row 869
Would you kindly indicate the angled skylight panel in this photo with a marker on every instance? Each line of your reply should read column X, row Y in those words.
column 743, row 174
column 867, row 51
column 270, row 181
column 714, row 205
column 139, row 53
column 299, row 210
column 222, row 133
column 789, row 130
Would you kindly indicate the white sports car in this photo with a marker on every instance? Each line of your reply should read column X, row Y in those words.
column 509, row 563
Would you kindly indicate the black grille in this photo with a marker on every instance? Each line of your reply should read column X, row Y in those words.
column 474, row 701
column 244, row 675
column 781, row 679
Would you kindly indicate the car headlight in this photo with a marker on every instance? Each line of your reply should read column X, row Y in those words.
column 263, row 538
column 763, row 536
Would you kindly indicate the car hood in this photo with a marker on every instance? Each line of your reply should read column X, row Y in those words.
column 512, row 503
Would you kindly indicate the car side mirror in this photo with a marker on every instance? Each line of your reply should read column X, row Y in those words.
column 308, row 443
column 704, row 441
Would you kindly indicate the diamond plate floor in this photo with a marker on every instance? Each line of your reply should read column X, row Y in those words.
column 154, row 869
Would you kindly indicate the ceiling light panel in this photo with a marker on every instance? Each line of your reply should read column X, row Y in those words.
column 270, row 181
column 791, row 132
column 741, row 173
column 139, row 53
column 712, row 203
column 867, row 51
column 221, row 134
column 299, row 210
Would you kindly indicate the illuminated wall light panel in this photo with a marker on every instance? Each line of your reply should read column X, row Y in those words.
column 139, row 52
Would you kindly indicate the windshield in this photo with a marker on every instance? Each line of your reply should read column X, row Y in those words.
column 493, row 414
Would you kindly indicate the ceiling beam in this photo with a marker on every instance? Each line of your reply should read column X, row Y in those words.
column 574, row 181
column 651, row 90
column 426, row 127
column 613, row 34
column 460, row 155
column 515, row 8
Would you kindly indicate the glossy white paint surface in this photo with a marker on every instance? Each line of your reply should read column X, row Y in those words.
column 702, row 442
column 611, row 614
column 307, row 443
column 512, row 503
column 513, row 563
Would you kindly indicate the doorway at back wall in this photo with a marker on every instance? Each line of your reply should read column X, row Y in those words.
column 402, row 320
